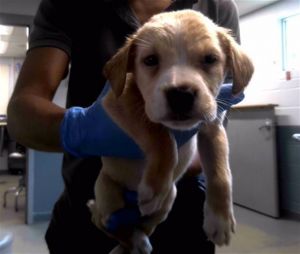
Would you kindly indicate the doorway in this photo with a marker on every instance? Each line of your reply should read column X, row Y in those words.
column 13, row 47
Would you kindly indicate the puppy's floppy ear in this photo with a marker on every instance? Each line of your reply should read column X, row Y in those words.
column 239, row 64
column 119, row 65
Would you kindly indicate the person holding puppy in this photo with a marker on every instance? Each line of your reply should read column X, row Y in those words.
column 59, row 38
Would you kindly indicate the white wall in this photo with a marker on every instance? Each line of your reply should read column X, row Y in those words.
column 4, row 86
column 261, row 37
column 61, row 93
column 9, row 71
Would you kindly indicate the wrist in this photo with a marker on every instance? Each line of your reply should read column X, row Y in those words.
column 71, row 130
column 90, row 131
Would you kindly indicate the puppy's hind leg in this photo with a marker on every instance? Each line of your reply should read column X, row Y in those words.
column 108, row 199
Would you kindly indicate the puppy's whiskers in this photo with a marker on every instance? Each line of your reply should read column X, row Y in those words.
column 223, row 102
column 209, row 117
column 221, row 115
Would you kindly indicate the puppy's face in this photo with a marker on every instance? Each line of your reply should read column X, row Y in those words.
column 179, row 61
column 179, row 66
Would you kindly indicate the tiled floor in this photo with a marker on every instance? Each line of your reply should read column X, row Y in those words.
column 259, row 234
column 26, row 239
column 256, row 233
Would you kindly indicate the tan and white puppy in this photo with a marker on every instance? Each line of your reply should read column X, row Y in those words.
column 168, row 75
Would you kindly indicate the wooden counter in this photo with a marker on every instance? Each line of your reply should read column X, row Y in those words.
column 254, row 107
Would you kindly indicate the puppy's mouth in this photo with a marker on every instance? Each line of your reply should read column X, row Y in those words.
column 180, row 121
column 186, row 121
column 179, row 117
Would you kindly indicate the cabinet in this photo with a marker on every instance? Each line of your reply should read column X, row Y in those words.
column 252, row 140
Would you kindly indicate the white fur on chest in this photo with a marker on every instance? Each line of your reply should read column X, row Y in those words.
column 128, row 172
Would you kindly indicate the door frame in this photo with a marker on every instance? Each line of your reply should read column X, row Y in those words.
column 25, row 21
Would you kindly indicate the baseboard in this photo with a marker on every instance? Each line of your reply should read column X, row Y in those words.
column 291, row 215
column 40, row 217
column 4, row 172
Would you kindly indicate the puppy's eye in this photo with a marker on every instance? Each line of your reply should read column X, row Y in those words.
column 210, row 59
column 151, row 60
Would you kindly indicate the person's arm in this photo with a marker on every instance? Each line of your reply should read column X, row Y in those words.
column 33, row 120
column 229, row 17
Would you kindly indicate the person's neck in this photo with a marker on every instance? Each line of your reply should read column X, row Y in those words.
column 145, row 9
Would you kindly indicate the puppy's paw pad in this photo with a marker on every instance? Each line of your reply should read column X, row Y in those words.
column 150, row 207
column 218, row 228
column 141, row 243
column 150, row 201
column 145, row 193
column 91, row 204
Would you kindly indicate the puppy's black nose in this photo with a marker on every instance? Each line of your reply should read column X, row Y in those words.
column 180, row 100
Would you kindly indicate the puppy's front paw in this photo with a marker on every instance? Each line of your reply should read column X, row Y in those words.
column 218, row 228
column 118, row 250
column 149, row 200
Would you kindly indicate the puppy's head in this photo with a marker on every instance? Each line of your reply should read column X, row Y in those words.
column 178, row 61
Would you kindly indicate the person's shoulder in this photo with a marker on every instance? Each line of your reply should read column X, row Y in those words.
column 76, row 6
column 227, row 5
column 216, row 9
column 221, row 3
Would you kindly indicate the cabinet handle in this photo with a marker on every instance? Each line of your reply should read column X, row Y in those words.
column 267, row 125
column 296, row 136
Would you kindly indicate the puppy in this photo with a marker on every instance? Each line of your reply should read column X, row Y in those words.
column 167, row 76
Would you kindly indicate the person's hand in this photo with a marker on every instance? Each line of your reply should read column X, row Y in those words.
column 128, row 215
column 91, row 132
column 226, row 99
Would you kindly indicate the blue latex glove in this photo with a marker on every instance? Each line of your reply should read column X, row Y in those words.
column 128, row 215
column 90, row 131
column 225, row 98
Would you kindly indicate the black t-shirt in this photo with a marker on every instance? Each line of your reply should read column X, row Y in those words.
column 90, row 32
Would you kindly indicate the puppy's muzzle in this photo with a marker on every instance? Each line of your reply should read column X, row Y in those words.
column 180, row 101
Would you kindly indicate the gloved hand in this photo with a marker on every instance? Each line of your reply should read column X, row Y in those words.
column 225, row 98
column 86, row 132
column 90, row 131
column 128, row 215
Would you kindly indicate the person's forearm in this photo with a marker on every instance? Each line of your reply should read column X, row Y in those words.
column 34, row 121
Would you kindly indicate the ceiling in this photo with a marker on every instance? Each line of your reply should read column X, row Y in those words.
column 17, row 39
column 13, row 41
column 247, row 6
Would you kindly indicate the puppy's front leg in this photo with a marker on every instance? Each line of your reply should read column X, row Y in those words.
column 158, row 145
column 219, row 219
column 161, row 154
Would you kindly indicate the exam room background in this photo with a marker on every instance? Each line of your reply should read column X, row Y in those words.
column 261, row 34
